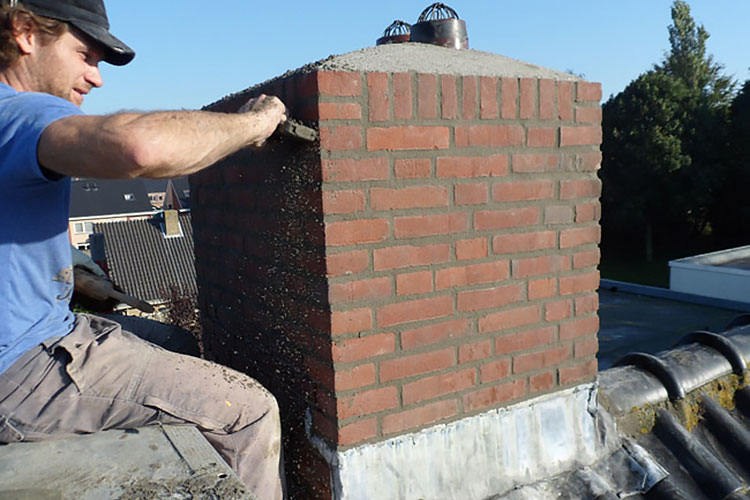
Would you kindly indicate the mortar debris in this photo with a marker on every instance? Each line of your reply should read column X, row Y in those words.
column 203, row 487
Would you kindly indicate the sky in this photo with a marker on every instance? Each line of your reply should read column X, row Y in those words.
column 193, row 52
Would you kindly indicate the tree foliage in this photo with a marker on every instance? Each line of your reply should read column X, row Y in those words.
column 687, row 60
column 666, row 146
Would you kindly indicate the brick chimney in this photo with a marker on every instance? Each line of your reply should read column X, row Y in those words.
column 418, row 289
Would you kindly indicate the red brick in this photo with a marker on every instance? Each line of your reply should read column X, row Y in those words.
column 429, row 225
column 580, row 136
column 541, row 382
column 577, row 373
column 523, row 242
column 493, row 396
column 354, row 378
column 413, row 168
column 559, row 310
column 340, row 138
column 307, row 86
column 320, row 372
column 494, row 370
column 409, row 197
column 414, row 310
column 472, row 167
column 379, row 96
column 469, row 110
column 352, row 321
column 362, row 348
column 528, row 97
column 475, row 248
column 471, row 194
column 587, row 304
column 542, row 288
column 340, row 264
column 356, row 232
column 546, row 99
column 541, row 137
column 488, row 98
column 523, row 190
column 579, row 283
column 535, row 163
column 450, row 97
column 588, row 212
column 402, row 96
column 348, row 170
column 558, row 214
column 474, row 352
column 432, row 334
column 580, row 236
column 509, row 91
column 427, row 96
column 588, row 115
column 543, row 359
column 584, row 188
column 489, row 136
column 417, row 364
column 438, row 385
column 354, row 291
column 587, row 258
column 357, row 432
column 414, row 283
column 523, row 341
column 565, row 101
column 407, row 138
column 512, row 318
column 536, row 266
column 367, row 402
column 579, row 328
column 408, row 256
column 589, row 162
column 486, row 272
column 585, row 348
column 339, row 111
column 504, row 219
column 343, row 202
column 490, row 298
column 339, row 83
column 589, row 92
column 324, row 425
column 423, row 415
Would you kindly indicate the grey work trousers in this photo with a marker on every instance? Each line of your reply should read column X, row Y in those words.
column 102, row 377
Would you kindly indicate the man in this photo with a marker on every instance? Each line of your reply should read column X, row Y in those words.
column 62, row 373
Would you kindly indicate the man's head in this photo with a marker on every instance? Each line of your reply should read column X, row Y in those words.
column 55, row 46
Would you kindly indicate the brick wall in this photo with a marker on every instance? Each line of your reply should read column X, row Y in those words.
column 433, row 257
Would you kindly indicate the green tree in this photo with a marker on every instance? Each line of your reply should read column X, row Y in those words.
column 688, row 61
column 664, row 146
column 643, row 161
column 731, row 210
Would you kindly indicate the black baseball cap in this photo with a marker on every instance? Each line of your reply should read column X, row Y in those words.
column 90, row 17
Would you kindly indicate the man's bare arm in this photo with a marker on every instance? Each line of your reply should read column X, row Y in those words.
column 157, row 145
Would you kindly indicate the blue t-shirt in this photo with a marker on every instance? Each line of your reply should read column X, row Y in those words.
column 36, row 275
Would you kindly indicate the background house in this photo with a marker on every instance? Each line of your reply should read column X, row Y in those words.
column 95, row 200
column 146, row 257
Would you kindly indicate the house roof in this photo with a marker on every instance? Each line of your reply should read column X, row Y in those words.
column 96, row 197
column 674, row 423
column 145, row 263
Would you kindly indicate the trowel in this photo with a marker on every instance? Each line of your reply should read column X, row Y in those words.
column 102, row 289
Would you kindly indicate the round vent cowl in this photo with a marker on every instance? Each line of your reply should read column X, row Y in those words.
column 396, row 32
column 440, row 25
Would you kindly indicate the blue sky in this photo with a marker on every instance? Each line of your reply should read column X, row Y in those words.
column 192, row 52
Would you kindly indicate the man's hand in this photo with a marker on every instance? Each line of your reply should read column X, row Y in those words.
column 80, row 259
column 270, row 113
